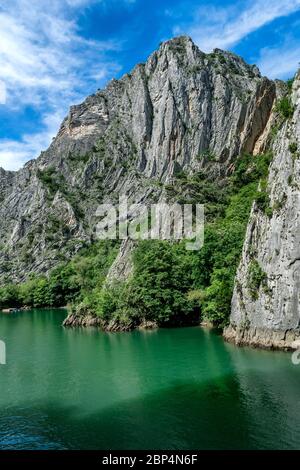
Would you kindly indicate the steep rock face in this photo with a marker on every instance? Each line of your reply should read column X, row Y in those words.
column 181, row 110
column 266, row 302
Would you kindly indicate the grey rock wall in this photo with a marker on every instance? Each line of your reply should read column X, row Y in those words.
column 271, row 317
column 181, row 110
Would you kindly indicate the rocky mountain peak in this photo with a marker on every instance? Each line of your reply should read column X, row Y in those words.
column 181, row 111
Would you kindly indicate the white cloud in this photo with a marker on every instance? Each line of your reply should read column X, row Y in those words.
column 13, row 154
column 280, row 62
column 42, row 54
column 45, row 62
column 2, row 93
column 225, row 27
column 77, row 3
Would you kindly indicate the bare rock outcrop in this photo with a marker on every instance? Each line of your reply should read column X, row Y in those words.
column 182, row 110
column 266, row 300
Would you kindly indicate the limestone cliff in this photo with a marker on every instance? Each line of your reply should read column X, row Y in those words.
column 181, row 110
column 266, row 303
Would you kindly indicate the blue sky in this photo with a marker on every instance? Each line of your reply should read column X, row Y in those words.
column 54, row 53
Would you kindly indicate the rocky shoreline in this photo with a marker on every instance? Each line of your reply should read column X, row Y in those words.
column 263, row 338
column 15, row 309
column 74, row 320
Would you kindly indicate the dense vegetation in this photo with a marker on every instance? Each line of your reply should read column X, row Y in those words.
column 169, row 284
column 69, row 282
column 285, row 107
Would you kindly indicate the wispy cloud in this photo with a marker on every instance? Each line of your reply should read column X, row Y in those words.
column 13, row 154
column 42, row 52
column 2, row 93
column 225, row 27
column 45, row 62
column 280, row 62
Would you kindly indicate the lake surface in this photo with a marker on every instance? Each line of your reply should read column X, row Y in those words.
column 167, row 389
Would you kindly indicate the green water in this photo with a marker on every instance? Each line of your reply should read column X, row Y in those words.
column 168, row 389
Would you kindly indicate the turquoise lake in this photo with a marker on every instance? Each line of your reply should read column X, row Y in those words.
column 165, row 389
